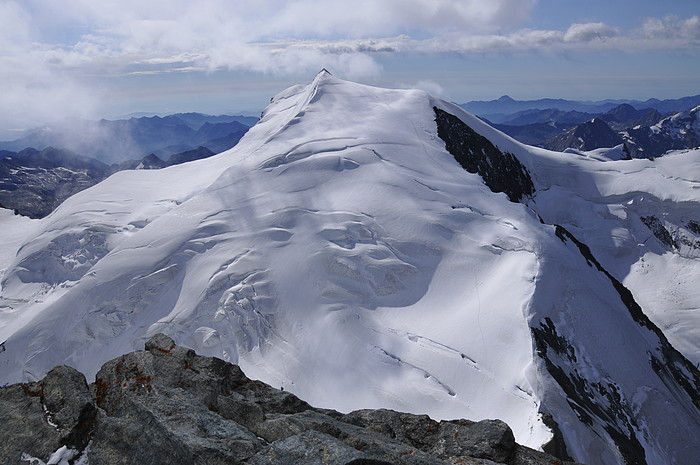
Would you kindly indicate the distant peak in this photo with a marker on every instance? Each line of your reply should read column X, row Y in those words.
column 505, row 98
column 324, row 72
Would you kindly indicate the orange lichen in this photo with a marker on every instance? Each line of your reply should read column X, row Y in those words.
column 101, row 390
column 27, row 388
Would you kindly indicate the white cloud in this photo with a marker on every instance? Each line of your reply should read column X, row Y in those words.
column 427, row 85
column 31, row 85
column 159, row 29
column 15, row 26
column 298, row 37
column 589, row 31
column 362, row 18
column 671, row 27
column 47, row 47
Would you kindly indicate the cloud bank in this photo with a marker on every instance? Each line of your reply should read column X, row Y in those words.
column 49, row 47
column 275, row 36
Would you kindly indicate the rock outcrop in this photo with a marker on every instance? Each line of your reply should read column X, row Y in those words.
column 167, row 405
column 501, row 172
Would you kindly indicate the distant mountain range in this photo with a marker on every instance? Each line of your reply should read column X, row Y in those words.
column 128, row 139
column 642, row 133
column 498, row 110
column 647, row 129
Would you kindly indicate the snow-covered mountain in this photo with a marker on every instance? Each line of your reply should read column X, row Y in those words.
column 678, row 131
column 340, row 251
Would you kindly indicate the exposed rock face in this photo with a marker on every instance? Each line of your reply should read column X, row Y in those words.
column 501, row 172
column 168, row 405
column 659, row 230
column 40, row 418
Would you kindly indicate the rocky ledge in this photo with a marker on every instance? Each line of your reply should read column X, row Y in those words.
column 168, row 405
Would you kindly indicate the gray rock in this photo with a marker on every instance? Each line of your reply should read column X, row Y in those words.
column 135, row 436
column 39, row 418
column 69, row 405
column 25, row 428
column 237, row 408
column 171, row 427
column 487, row 439
column 167, row 405
column 525, row 456
column 311, row 448
column 418, row 430
column 375, row 446
column 160, row 343
column 501, row 171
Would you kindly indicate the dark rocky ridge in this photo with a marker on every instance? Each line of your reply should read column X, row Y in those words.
column 168, row 405
column 501, row 172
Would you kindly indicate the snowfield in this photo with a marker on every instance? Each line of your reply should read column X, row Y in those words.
column 339, row 251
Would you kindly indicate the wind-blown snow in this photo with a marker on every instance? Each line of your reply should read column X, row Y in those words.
column 339, row 251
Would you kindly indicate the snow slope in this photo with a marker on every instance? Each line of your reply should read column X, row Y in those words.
column 681, row 125
column 15, row 229
column 339, row 251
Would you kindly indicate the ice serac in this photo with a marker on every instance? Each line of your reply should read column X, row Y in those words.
column 340, row 251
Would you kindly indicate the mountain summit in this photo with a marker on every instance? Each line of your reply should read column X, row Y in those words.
column 367, row 248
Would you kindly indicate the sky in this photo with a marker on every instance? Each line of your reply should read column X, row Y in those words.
column 87, row 59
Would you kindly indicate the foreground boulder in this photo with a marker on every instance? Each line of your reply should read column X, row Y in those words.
column 168, row 405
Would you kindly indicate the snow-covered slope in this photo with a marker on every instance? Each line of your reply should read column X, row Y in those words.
column 15, row 229
column 341, row 252
column 681, row 125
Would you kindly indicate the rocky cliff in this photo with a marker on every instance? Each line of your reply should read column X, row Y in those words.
column 168, row 405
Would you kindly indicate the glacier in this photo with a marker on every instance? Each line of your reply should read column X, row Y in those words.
column 340, row 251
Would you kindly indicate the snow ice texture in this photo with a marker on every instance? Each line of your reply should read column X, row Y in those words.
column 339, row 251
